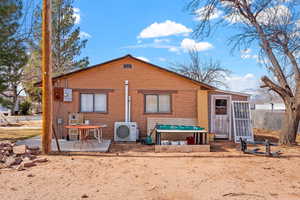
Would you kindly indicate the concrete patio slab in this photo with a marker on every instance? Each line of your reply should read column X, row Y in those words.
column 70, row 146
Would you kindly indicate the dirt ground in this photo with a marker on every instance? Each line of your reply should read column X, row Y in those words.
column 136, row 172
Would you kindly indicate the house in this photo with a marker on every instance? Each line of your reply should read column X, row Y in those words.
column 5, row 111
column 157, row 95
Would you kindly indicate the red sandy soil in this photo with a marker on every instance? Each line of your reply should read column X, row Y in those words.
column 136, row 172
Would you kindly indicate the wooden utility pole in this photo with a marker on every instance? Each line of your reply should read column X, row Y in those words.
column 47, row 79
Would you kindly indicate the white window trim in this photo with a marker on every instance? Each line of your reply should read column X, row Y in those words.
column 106, row 106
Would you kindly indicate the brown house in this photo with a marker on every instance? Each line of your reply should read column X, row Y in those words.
column 157, row 95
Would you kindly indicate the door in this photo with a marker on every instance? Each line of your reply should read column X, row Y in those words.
column 221, row 116
column 242, row 121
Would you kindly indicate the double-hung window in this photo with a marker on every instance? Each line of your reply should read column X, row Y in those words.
column 93, row 102
column 157, row 103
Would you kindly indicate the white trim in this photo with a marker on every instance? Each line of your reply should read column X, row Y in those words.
column 235, row 93
column 212, row 112
column 233, row 117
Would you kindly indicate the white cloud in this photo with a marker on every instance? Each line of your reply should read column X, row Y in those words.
column 186, row 44
column 174, row 49
column 297, row 54
column 243, row 83
column 246, row 51
column 84, row 35
column 162, row 59
column 298, row 23
column 247, row 54
column 143, row 58
column 150, row 45
column 273, row 15
column 163, row 29
column 76, row 15
column 161, row 40
column 200, row 13
column 189, row 44
column 262, row 60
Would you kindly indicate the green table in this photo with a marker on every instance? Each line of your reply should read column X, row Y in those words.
column 200, row 134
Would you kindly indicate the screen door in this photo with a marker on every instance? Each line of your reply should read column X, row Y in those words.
column 221, row 112
column 242, row 121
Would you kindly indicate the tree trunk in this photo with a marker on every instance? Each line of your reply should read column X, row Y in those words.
column 15, row 100
column 290, row 128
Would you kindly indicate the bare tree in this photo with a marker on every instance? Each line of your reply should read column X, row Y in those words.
column 209, row 72
column 274, row 26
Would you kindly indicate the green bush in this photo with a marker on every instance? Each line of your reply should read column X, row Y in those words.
column 25, row 108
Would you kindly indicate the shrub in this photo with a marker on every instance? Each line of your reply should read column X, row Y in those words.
column 25, row 108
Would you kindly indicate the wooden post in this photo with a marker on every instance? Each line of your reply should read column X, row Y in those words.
column 46, row 78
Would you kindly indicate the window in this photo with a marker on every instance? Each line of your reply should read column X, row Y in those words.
column 127, row 66
column 93, row 102
column 221, row 107
column 157, row 103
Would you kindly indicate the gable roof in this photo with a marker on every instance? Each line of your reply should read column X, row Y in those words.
column 207, row 86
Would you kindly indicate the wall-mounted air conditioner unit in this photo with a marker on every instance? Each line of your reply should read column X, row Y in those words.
column 125, row 131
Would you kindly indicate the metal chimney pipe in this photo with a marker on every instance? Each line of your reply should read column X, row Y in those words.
column 126, row 101
column 129, row 108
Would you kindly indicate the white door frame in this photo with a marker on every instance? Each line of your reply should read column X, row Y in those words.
column 212, row 111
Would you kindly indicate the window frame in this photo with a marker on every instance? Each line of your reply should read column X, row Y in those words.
column 221, row 107
column 94, row 93
column 157, row 96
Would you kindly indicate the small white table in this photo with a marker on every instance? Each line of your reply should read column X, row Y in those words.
column 82, row 129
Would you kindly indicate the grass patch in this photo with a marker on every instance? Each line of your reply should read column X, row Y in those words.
column 18, row 134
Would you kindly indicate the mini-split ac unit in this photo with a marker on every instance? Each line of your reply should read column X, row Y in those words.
column 125, row 131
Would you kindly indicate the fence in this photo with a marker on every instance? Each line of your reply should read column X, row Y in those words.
column 266, row 119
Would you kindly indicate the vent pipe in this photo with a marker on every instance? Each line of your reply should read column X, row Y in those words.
column 126, row 101
column 129, row 108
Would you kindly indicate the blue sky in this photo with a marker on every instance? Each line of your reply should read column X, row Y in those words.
column 161, row 32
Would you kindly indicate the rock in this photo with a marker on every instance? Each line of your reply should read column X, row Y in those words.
column 2, row 158
column 26, row 159
column 40, row 160
column 33, row 148
column 33, row 152
column 84, row 196
column 20, row 167
column 28, row 163
column 18, row 160
column 29, row 156
column 8, row 149
column 30, row 175
column 2, row 166
column 10, row 161
column 19, row 150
